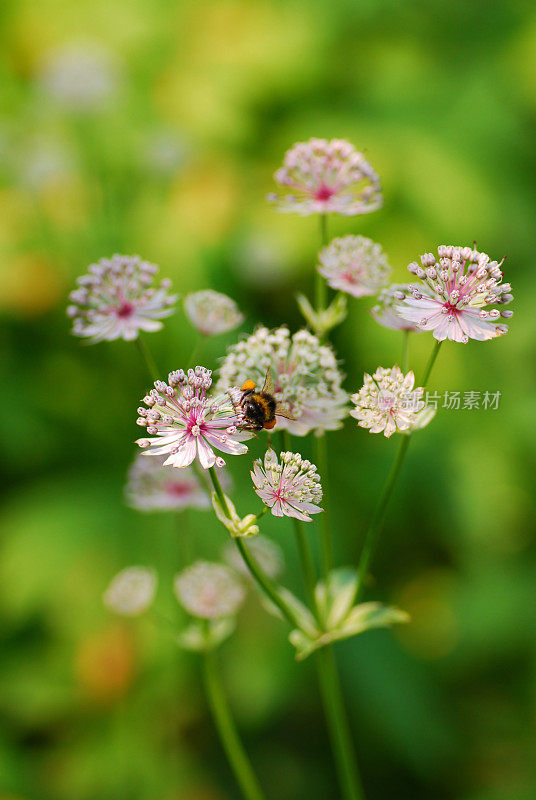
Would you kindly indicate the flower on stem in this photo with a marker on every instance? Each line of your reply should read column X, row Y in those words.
column 323, row 177
column 209, row 590
column 290, row 488
column 187, row 423
column 117, row 300
column 131, row 591
column 80, row 78
column 385, row 311
column 153, row 487
column 305, row 373
column 212, row 313
column 355, row 265
column 266, row 553
column 458, row 287
column 387, row 402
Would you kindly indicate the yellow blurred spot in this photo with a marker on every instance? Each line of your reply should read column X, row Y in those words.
column 433, row 630
column 203, row 201
column 65, row 201
column 105, row 663
column 29, row 284
column 15, row 216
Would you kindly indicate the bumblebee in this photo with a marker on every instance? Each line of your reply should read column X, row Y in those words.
column 260, row 408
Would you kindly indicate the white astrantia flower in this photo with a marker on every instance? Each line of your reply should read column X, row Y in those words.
column 117, row 300
column 355, row 265
column 80, row 77
column 305, row 374
column 131, row 591
column 188, row 423
column 265, row 552
column 385, row 311
column 291, row 488
column 212, row 312
column 154, row 487
column 326, row 177
column 388, row 402
column 457, row 288
column 209, row 590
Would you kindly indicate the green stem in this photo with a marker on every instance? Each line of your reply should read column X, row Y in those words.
column 262, row 580
column 321, row 289
column 321, row 455
column 147, row 358
column 405, row 350
column 380, row 511
column 196, row 350
column 307, row 565
column 229, row 737
column 338, row 726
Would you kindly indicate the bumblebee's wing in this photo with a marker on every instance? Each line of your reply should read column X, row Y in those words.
column 281, row 411
column 268, row 386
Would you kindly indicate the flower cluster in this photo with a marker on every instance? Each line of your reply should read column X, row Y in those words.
column 355, row 265
column 385, row 311
column 209, row 590
column 387, row 402
column 187, row 422
column 306, row 377
column 117, row 299
column 80, row 78
column 322, row 177
column 457, row 288
column 290, row 488
column 153, row 487
column 131, row 591
column 212, row 312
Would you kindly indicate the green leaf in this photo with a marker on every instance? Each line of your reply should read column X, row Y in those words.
column 201, row 635
column 335, row 599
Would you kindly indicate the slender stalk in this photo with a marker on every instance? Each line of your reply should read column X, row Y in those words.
column 147, row 358
column 339, row 729
column 405, row 350
column 321, row 460
column 321, row 289
column 262, row 580
column 307, row 565
column 196, row 349
column 234, row 749
column 380, row 511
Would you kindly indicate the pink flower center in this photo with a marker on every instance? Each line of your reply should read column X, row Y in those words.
column 450, row 309
column 178, row 489
column 324, row 192
column 124, row 310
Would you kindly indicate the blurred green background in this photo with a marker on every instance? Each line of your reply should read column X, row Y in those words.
column 153, row 127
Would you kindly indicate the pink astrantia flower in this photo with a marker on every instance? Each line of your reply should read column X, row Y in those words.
column 209, row 591
column 322, row 177
column 153, row 487
column 212, row 312
column 187, row 423
column 387, row 402
column 117, row 300
column 290, row 488
column 457, row 288
column 355, row 265
column 385, row 311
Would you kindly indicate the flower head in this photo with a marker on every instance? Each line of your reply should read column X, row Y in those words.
column 321, row 177
column 354, row 265
column 212, row 312
column 305, row 373
column 458, row 287
column 187, row 422
column 80, row 77
column 290, row 488
column 385, row 311
column 209, row 590
column 266, row 553
column 388, row 402
column 117, row 299
column 154, row 487
column 131, row 591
